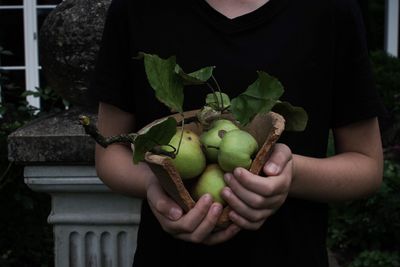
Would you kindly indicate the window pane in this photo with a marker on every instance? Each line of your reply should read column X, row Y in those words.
column 10, row 2
column 48, row 2
column 12, row 37
column 13, row 87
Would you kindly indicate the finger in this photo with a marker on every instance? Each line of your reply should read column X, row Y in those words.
column 205, row 227
column 162, row 203
column 192, row 219
column 246, row 224
column 244, row 182
column 253, row 199
column 263, row 186
column 280, row 155
column 250, row 213
column 222, row 236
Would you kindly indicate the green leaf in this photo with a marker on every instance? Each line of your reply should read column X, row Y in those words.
column 31, row 93
column 163, row 79
column 159, row 134
column 214, row 100
column 259, row 97
column 295, row 117
column 5, row 52
column 195, row 78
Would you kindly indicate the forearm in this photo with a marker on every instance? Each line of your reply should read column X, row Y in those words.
column 346, row 176
column 115, row 168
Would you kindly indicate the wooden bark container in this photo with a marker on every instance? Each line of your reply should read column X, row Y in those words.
column 266, row 129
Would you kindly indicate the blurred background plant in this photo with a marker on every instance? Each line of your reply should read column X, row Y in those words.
column 369, row 229
column 366, row 233
column 387, row 75
column 26, row 238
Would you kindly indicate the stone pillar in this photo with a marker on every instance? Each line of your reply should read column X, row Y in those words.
column 69, row 42
column 92, row 225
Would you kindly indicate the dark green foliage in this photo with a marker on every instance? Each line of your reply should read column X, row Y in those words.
column 387, row 75
column 367, row 232
column 25, row 236
column 26, row 240
column 376, row 258
column 370, row 224
column 373, row 222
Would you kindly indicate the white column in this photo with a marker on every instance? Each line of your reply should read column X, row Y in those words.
column 31, row 50
column 392, row 27
column 93, row 227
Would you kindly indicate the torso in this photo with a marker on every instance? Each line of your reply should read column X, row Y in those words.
column 279, row 39
column 289, row 39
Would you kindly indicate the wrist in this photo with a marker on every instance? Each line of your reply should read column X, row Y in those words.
column 296, row 159
column 151, row 179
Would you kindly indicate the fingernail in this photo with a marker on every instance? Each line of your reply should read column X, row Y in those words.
column 226, row 192
column 235, row 229
column 238, row 171
column 216, row 209
column 175, row 214
column 207, row 198
column 227, row 177
column 272, row 168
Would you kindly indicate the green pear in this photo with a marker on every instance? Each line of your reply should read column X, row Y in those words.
column 236, row 150
column 212, row 182
column 190, row 160
column 211, row 139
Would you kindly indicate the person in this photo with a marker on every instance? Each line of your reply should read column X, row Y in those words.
column 317, row 50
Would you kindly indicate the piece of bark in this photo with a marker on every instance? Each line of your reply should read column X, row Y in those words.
column 266, row 128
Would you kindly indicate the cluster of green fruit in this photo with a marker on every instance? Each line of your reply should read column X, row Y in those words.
column 206, row 158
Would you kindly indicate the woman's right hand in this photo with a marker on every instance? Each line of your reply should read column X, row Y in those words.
column 195, row 226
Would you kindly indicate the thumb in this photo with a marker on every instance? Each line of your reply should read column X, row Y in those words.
column 280, row 156
column 162, row 204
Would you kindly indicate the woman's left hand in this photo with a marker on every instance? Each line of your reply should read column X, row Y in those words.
column 254, row 198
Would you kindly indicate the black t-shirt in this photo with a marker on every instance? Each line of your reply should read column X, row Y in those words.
column 316, row 48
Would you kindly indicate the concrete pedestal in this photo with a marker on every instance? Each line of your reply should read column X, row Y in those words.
column 93, row 226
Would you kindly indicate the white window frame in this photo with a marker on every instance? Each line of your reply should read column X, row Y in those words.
column 392, row 27
column 31, row 47
column 31, row 51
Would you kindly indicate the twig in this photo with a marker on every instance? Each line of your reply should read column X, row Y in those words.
column 92, row 130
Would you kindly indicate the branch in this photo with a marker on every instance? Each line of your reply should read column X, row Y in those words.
column 92, row 130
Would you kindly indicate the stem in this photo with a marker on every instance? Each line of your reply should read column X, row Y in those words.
column 180, row 140
column 225, row 109
column 212, row 89
column 189, row 120
column 219, row 90
column 159, row 151
column 220, row 104
column 92, row 130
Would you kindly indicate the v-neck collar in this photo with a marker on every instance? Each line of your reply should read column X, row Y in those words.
column 240, row 23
